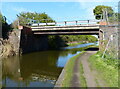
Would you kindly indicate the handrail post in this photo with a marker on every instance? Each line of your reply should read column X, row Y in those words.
column 65, row 22
column 76, row 22
column 38, row 22
column 46, row 22
column 88, row 22
column 55, row 23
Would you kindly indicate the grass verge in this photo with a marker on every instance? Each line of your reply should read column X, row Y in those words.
column 82, row 78
column 105, row 68
column 74, row 44
column 69, row 71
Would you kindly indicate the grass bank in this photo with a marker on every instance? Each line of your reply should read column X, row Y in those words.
column 69, row 71
column 75, row 43
column 106, row 68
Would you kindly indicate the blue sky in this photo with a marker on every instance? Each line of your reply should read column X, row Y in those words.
column 59, row 11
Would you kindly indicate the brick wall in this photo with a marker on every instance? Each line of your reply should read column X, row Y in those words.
column 30, row 42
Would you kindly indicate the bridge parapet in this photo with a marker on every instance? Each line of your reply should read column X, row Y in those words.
column 64, row 23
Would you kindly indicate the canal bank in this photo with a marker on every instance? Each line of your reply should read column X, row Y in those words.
column 67, row 69
column 10, row 47
column 76, row 72
column 89, row 69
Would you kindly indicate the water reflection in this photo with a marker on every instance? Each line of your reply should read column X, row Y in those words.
column 11, row 70
column 63, row 59
column 79, row 46
column 39, row 69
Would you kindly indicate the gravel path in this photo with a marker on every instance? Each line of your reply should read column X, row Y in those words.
column 90, row 79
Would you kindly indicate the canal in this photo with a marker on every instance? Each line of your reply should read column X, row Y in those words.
column 37, row 69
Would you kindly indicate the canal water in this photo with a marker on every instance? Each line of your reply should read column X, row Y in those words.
column 38, row 69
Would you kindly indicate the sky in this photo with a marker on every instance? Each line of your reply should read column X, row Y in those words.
column 59, row 11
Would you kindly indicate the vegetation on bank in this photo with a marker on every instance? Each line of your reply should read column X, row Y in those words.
column 4, row 27
column 78, row 38
column 55, row 42
column 107, row 68
column 75, row 43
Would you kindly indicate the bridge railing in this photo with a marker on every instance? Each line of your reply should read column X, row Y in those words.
column 64, row 23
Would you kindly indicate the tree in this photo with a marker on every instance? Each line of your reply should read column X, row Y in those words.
column 29, row 17
column 5, row 28
column 0, row 25
column 98, row 11
column 15, row 24
column 115, row 17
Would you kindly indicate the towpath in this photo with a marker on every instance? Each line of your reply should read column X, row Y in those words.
column 89, row 75
column 90, row 79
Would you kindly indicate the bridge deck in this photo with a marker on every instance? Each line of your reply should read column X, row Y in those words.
column 67, row 30
column 65, row 27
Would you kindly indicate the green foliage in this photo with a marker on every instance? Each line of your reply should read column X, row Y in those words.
column 5, row 27
column 29, row 17
column 108, row 59
column 74, row 44
column 98, row 10
column 107, row 69
column 55, row 42
column 71, row 38
column 115, row 17
column 68, row 72
column 2, row 18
